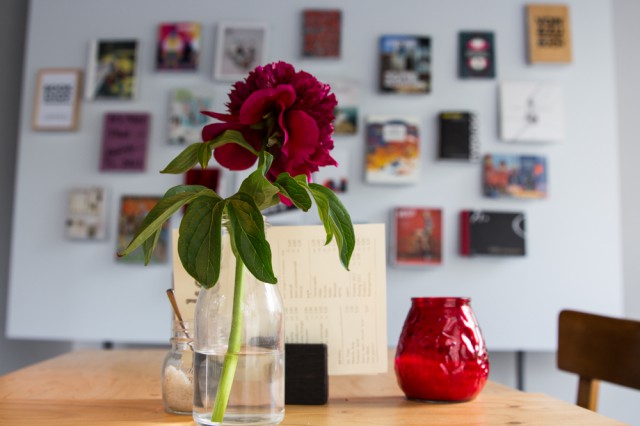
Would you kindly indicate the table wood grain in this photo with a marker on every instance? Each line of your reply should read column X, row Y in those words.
column 122, row 387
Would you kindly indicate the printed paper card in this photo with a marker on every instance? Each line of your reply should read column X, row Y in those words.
column 393, row 150
column 418, row 236
column 133, row 210
column 124, row 141
column 178, row 46
column 86, row 214
column 321, row 33
column 405, row 64
column 323, row 302
column 514, row 176
column 531, row 112
column 185, row 119
column 476, row 54
column 346, row 112
column 549, row 32
column 112, row 69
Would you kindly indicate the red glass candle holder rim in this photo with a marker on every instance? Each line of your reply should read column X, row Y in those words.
column 445, row 302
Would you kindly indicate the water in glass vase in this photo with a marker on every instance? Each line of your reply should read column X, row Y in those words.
column 257, row 396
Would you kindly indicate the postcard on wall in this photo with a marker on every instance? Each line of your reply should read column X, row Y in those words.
column 531, row 112
column 112, row 70
column 133, row 210
column 86, row 214
column 335, row 178
column 185, row 119
column 458, row 138
column 124, row 141
column 323, row 302
column 178, row 46
column 549, row 33
column 476, row 54
column 321, row 30
column 209, row 177
column 239, row 49
column 405, row 64
column 514, row 176
column 347, row 93
column 492, row 233
column 56, row 105
column 417, row 236
column 393, row 150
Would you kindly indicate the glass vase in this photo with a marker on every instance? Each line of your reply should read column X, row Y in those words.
column 257, row 393
column 177, row 370
column 441, row 354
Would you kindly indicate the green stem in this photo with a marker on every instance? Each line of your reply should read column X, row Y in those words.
column 231, row 357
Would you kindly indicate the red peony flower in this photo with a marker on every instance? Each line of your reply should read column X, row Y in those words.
column 288, row 113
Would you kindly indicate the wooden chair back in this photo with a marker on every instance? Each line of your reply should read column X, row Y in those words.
column 598, row 348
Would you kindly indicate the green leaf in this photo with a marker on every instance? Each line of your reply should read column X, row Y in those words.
column 247, row 232
column 264, row 162
column 200, row 241
column 294, row 190
column 264, row 193
column 185, row 160
column 173, row 199
column 204, row 154
column 232, row 136
column 150, row 245
column 336, row 221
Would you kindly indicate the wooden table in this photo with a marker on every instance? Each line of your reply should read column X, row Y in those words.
column 122, row 387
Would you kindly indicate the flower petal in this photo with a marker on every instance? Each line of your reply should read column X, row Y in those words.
column 302, row 138
column 256, row 105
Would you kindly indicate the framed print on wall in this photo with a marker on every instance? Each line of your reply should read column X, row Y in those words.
column 239, row 49
column 56, row 105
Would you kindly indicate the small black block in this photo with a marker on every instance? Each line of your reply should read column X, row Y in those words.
column 306, row 380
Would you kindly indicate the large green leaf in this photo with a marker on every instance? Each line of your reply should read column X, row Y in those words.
column 294, row 190
column 263, row 192
column 200, row 241
column 173, row 199
column 336, row 221
column 247, row 232
column 185, row 160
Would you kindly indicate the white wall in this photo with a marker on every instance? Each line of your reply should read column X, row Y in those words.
column 516, row 300
column 13, row 353
column 541, row 374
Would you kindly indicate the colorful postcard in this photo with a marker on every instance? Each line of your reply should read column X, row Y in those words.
column 346, row 113
column 335, row 178
column 321, row 33
column 133, row 210
column 531, row 112
column 393, row 150
column 476, row 54
column 549, row 33
column 418, row 236
column 514, row 176
column 112, row 70
column 405, row 64
column 240, row 48
column 178, row 46
column 56, row 105
column 185, row 119
column 124, row 141
column 86, row 214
